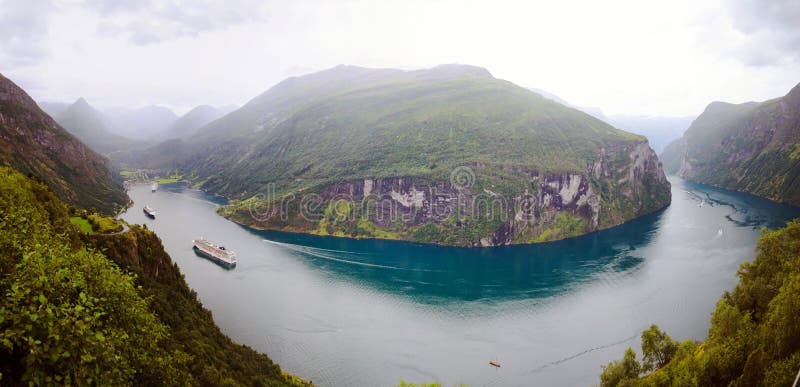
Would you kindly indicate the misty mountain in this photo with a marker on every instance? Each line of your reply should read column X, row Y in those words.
column 595, row 112
column 53, row 108
column 659, row 130
column 750, row 147
column 143, row 124
column 189, row 123
column 92, row 128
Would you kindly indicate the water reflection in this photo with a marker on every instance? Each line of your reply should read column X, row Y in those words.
column 748, row 210
column 435, row 274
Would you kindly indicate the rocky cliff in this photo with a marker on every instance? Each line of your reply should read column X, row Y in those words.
column 750, row 147
column 34, row 144
column 622, row 182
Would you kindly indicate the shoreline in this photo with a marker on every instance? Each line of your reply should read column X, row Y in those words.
column 592, row 233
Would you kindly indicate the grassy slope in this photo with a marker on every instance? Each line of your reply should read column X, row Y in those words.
column 83, row 224
column 351, row 123
column 34, row 219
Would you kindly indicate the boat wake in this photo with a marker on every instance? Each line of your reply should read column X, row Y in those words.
column 579, row 354
column 336, row 256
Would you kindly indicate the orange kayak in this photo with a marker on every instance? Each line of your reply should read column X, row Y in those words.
column 495, row 363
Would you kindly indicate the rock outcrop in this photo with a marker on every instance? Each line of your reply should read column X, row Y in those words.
column 623, row 182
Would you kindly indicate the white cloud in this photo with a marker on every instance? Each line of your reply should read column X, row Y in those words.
column 669, row 58
column 23, row 26
column 147, row 22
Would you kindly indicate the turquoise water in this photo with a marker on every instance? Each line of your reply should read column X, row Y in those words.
column 345, row 312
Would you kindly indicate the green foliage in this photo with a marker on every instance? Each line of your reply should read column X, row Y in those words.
column 564, row 225
column 432, row 384
column 104, row 224
column 754, row 338
column 170, row 177
column 616, row 372
column 93, row 309
column 82, row 223
column 657, row 348
column 73, row 317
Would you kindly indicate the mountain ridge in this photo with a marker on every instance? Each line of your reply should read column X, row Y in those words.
column 92, row 128
column 752, row 147
column 38, row 146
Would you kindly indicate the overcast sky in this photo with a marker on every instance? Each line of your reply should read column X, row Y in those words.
column 637, row 57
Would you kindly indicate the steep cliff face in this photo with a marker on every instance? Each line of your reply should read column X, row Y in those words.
column 623, row 181
column 751, row 147
column 36, row 145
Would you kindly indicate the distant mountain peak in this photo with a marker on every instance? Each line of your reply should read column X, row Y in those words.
column 82, row 105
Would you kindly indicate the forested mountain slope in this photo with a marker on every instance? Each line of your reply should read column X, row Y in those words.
column 750, row 147
column 34, row 144
column 407, row 136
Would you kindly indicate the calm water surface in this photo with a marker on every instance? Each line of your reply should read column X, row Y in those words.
column 347, row 312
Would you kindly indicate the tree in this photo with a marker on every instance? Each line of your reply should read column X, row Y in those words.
column 75, row 318
column 657, row 348
column 617, row 371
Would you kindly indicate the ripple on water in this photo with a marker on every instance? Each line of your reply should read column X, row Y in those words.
column 361, row 312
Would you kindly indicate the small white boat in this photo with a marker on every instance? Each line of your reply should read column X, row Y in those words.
column 149, row 211
column 154, row 187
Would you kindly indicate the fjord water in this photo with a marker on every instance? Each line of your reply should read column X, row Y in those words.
column 344, row 312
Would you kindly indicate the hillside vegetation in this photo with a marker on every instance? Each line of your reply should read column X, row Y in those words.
column 36, row 145
column 93, row 309
column 754, row 338
column 352, row 123
column 405, row 137
column 750, row 147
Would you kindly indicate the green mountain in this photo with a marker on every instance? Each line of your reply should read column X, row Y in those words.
column 34, row 144
column 750, row 147
column 92, row 128
column 103, row 309
column 421, row 155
